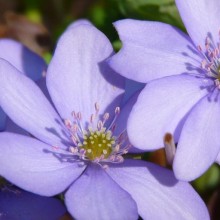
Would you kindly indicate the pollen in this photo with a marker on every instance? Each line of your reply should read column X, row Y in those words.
column 97, row 144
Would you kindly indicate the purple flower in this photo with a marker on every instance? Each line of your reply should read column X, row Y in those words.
column 24, row 60
column 186, row 101
column 80, row 147
column 16, row 204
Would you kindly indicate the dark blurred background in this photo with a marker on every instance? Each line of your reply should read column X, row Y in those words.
column 38, row 23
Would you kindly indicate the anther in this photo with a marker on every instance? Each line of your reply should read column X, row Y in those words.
column 217, row 83
column 79, row 116
column 55, row 147
column 199, row 48
column 105, row 167
column 117, row 148
column 75, row 127
column 204, row 64
column 74, row 114
column 99, row 125
column 106, row 116
column 92, row 118
column 68, row 123
column 74, row 150
column 117, row 110
column 97, row 107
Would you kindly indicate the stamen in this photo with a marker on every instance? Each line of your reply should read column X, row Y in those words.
column 68, row 123
column 106, row 116
column 199, row 48
column 79, row 116
column 55, row 147
column 100, row 125
column 97, row 107
column 92, row 118
column 105, row 167
column 74, row 115
column 97, row 143
column 217, row 83
column 74, row 150
column 117, row 110
column 211, row 62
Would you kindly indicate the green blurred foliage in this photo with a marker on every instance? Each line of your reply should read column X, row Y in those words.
column 160, row 10
column 102, row 13
column 208, row 182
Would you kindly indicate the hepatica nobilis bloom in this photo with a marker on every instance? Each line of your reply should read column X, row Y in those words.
column 186, row 100
column 24, row 60
column 82, row 148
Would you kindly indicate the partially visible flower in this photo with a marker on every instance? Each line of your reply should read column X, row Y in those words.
column 185, row 101
column 83, row 149
column 26, row 61
column 16, row 204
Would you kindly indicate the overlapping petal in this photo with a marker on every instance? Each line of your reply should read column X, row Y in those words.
column 14, row 128
column 157, row 192
column 148, row 51
column 78, row 76
column 96, row 196
column 199, row 145
column 217, row 160
column 131, row 87
column 35, row 166
column 27, row 106
column 42, row 85
column 26, row 61
column 161, row 107
column 122, row 119
column 17, row 204
column 201, row 18
column 2, row 119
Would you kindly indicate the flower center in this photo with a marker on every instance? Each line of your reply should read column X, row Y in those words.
column 96, row 142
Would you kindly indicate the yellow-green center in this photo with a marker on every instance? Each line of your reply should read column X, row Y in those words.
column 218, row 71
column 98, row 144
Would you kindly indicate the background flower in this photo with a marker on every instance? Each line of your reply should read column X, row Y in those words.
column 26, row 61
column 185, row 102
column 17, row 204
